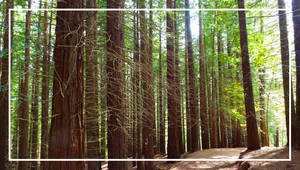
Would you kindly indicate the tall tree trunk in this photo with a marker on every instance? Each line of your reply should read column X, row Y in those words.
column 115, row 85
column 187, row 101
column 284, row 42
column 223, row 141
column 148, row 92
column 35, row 100
column 45, row 87
column 252, row 132
column 24, row 111
column 263, row 132
column 296, row 20
column 193, row 96
column 173, row 143
column 203, row 104
column 214, row 126
column 91, row 86
column 67, row 129
column 4, row 93
column 177, row 81
column 160, row 101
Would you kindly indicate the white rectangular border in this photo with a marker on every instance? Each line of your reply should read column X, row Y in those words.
column 289, row 13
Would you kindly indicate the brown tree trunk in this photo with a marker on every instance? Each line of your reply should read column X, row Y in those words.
column 277, row 137
column 160, row 101
column 67, row 128
column 223, row 142
column 177, row 81
column 296, row 20
column 148, row 92
column 239, row 140
column 173, row 143
column 4, row 93
column 35, row 100
column 252, row 132
column 91, row 86
column 284, row 42
column 203, row 102
column 214, row 134
column 24, row 110
column 263, row 132
column 45, row 88
column 187, row 101
column 193, row 95
column 115, row 85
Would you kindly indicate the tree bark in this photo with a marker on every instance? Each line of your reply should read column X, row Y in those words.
column 67, row 128
column 91, row 86
column 35, row 100
column 148, row 111
column 24, row 110
column 115, row 85
column 193, row 96
column 296, row 20
column 4, row 93
column 252, row 132
column 285, row 63
column 203, row 102
column 173, row 143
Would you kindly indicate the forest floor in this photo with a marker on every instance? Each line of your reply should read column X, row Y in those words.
column 234, row 153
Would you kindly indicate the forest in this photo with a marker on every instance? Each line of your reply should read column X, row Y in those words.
column 147, row 83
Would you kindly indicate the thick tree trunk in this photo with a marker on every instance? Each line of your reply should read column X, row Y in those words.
column 91, row 87
column 148, row 92
column 285, row 62
column 173, row 143
column 67, row 128
column 296, row 20
column 115, row 85
column 193, row 95
column 177, row 81
column 202, row 89
column 24, row 110
column 252, row 132
column 4, row 93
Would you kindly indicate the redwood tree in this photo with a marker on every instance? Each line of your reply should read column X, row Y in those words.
column 91, row 86
column 4, row 93
column 252, row 132
column 296, row 20
column 115, row 85
column 173, row 143
column 67, row 128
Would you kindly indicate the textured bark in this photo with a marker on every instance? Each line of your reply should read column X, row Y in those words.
column 67, row 128
column 91, row 87
column 160, row 101
column 277, row 137
column 35, row 100
column 223, row 141
column 263, row 132
column 177, row 81
column 4, row 93
column 296, row 20
column 252, row 132
column 148, row 111
column 203, row 102
column 173, row 143
column 115, row 85
column 193, row 95
column 239, row 140
column 284, row 42
column 24, row 105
